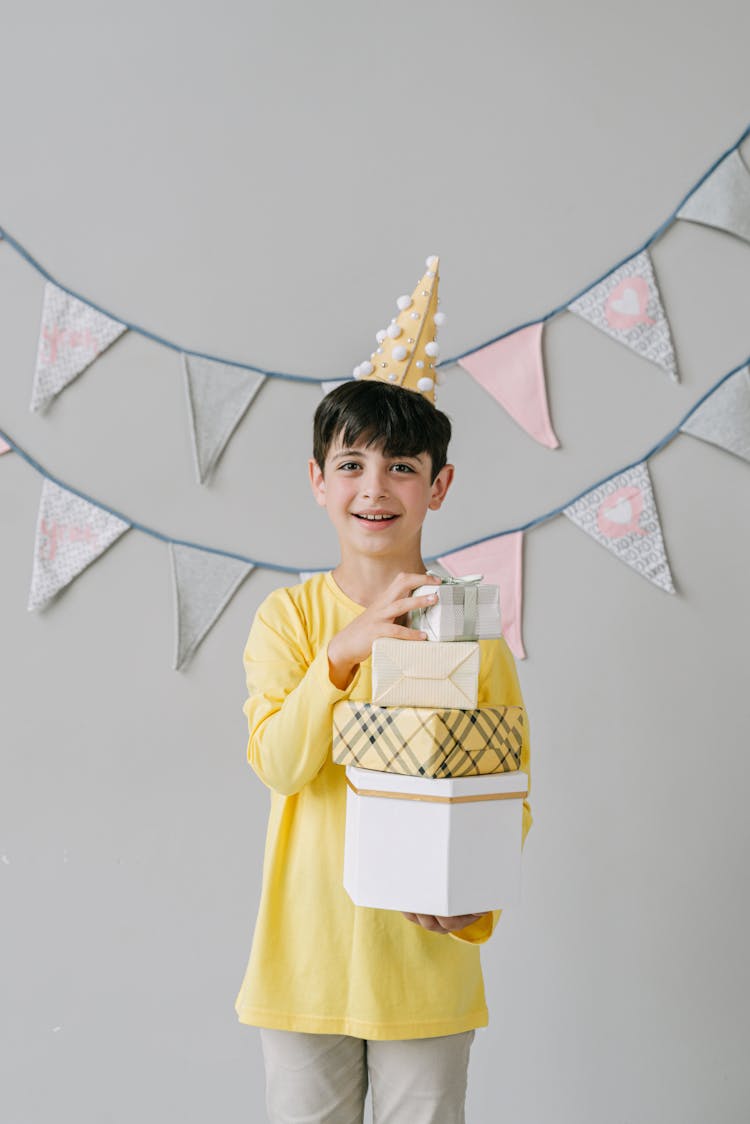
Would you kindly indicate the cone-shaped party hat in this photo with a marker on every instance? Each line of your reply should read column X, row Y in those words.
column 407, row 351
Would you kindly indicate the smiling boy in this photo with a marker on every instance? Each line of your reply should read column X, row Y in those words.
column 347, row 994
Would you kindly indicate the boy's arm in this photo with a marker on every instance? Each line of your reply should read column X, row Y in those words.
column 290, row 698
column 498, row 685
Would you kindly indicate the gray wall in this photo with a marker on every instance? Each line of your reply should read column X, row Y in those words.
column 261, row 183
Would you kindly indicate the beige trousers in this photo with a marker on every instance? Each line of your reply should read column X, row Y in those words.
column 323, row 1078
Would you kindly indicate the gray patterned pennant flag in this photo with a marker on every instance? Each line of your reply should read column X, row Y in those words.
column 627, row 306
column 621, row 515
column 724, row 417
column 204, row 584
column 218, row 396
column 722, row 200
column 71, row 533
column 71, row 336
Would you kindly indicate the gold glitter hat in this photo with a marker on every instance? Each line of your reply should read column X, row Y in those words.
column 407, row 350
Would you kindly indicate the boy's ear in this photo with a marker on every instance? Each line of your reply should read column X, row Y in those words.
column 317, row 482
column 440, row 486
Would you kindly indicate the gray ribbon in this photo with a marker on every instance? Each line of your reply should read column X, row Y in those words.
column 471, row 600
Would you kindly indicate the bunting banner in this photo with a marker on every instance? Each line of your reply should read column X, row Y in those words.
column 71, row 336
column 619, row 512
column 621, row 515
column 218, row 396
column 204, row 583
column 627, row 306
column 723, row 199
column 500, row 561
column 512, row 371
column 71, row 533
column 724, row 417
column 4, row 447
column 625, row 303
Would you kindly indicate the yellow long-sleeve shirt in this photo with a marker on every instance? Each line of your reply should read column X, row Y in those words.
column 319, row 963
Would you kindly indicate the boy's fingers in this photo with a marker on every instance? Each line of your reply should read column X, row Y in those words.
column 400, row 632
column 397, row 608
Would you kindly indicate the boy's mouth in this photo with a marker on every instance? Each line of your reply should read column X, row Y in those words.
column 378, row 520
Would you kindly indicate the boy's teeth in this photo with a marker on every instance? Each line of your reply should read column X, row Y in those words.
column 375, row 517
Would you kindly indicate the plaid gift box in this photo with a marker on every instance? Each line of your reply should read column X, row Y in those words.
column 427, row 741
column 465, row 610
column 410, row 673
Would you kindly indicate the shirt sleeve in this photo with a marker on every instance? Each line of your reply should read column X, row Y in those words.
column 290, row 697
column 498, row 686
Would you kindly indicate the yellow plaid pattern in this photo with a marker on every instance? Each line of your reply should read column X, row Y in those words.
column 427, row 742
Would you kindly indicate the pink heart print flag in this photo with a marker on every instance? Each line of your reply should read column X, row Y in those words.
column 71, row 533
column 621, row 515
column 71, row 336
column 627, row 306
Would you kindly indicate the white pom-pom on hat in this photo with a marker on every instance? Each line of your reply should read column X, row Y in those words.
column 394, row 331
column 380, row 336
column 403, row 303
column 399, row 352
column 424, row 384
column 439, row 319
column 432, row 349
column 432, row 261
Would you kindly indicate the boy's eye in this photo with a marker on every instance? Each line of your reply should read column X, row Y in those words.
column 406, row 466
column 354, row 464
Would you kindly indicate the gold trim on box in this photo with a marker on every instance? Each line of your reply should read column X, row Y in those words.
column 435, row 799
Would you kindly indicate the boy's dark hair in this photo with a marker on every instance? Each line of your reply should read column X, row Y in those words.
column 400, row 422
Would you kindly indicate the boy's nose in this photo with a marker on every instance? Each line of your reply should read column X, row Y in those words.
column 375, row 486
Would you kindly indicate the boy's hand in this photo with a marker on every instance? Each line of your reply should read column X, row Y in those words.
column 353, row 644
column 443, row 924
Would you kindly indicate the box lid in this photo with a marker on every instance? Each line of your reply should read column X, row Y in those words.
column 484, row 784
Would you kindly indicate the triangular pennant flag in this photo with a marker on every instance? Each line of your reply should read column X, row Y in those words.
column 627, row 306
column 621, row 515
column 500, row 561
column 204, row 584
column 330, row 384
column 512, row 371
column 71, row 336
column 724, row 417
column 218, row 396
column 4, row 447
column 722, row 200
column 71, row 533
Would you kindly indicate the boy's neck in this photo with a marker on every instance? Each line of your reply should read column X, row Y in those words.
column 365, row 579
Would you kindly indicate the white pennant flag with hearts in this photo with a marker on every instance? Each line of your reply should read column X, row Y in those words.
column 621, row 515
column 627, row 306
column 71, row 336
column 71, row 533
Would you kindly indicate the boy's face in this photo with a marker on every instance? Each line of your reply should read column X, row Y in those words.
column 359, row 480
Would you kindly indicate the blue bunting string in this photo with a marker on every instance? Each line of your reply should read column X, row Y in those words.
column 258, row 563
column 309, row 379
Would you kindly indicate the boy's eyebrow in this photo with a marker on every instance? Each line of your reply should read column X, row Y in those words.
column 360, row 452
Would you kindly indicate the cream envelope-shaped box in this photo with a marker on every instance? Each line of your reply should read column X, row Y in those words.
column 445, row 847
column 410, row 673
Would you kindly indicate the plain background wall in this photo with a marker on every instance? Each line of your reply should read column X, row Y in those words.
column 260, row 181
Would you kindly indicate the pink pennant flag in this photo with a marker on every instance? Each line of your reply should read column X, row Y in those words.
column 512, row 371
column 500, row 561
column 4, row 447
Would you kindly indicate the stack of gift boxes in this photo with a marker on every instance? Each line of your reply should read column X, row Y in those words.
column 434, row 791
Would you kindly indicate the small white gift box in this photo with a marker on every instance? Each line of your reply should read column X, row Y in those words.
column 446, row 847
column 412, row 673
column 465, row 610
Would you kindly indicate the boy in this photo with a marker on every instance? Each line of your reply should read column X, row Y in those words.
column 342, row 993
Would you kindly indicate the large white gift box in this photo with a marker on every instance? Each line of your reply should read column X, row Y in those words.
column 446, row 847
column 465, row 610
column 413, row 673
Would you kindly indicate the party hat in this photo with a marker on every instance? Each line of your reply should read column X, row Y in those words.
column 407, row 350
